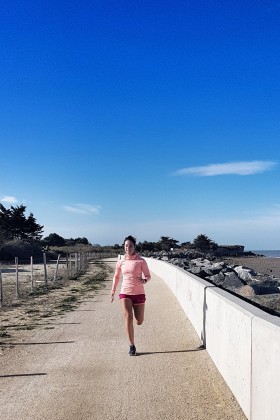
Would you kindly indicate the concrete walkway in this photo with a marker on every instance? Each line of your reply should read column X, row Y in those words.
column 81, row 370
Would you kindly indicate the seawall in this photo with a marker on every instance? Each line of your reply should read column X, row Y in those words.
column 242, row 340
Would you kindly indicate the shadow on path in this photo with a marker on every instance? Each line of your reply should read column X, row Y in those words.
column 22, row 374
column 170, row 351
column 33, row 344
column 40, row 324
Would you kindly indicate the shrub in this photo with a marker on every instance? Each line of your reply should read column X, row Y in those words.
column 21, row 249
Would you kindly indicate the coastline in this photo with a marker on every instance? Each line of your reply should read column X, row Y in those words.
column 266, row 266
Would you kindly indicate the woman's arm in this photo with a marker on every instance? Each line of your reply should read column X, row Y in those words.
column 116, row 279
column 146, row 271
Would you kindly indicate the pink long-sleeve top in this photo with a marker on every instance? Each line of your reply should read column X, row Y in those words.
column 131, row 267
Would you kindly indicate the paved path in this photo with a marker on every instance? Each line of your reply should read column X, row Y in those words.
column 80, row 369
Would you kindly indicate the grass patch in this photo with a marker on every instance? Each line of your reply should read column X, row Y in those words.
column 32, row 311
column 4, row 334
column 46, row 315
column 70, row 299
column 42, row 290
column 57, row 286
column 64, row 307
column 25, row 327
column 97, row 278
column 67, row 304
column 99, row 264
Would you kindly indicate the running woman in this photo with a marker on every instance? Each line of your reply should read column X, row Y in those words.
column 135, row 273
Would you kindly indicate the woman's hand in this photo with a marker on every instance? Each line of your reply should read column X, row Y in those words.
column 112, row 295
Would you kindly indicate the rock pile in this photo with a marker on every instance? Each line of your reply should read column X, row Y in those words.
column 240, row 280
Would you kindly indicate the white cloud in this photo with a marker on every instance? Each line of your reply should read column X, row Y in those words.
column 83, row 209
column 9, row 199
column 231, row 168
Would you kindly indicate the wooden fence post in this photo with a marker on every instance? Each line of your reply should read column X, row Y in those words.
column 70, row 264
column 56, row 269
column 67, row 266
column 1, row 288
column 85, row 260
column 45, row 268
column 31, row 268
column 17, row 279
column 76, row 262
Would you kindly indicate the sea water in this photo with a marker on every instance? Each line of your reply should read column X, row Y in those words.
column 274, row 253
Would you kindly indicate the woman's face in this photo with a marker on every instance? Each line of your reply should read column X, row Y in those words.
column 129, row 247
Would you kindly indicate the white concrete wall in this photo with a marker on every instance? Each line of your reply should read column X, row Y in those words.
column 265, row 368
column 242, row 340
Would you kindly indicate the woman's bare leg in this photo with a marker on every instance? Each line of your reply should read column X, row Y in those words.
column 126, row 305
column 139, row 312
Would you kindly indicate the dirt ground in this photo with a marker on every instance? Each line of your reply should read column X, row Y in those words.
column 263, row 265
column 34, row 310
column 75, row 365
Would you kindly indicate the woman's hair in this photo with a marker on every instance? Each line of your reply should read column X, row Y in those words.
column 130, row 238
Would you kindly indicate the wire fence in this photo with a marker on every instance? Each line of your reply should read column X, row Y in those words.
column 22, row 278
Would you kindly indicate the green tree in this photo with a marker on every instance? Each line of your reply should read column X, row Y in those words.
column 186, row 244
column 53, row 239
column 82, row 241
column 18, row 222
column 5, row 216
column 33, row 230
column 147, row 246
column 203, row 243
column 165, row 243
column 15, row 225
column 70, row 242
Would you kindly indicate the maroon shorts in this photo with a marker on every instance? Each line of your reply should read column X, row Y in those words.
column 136, row 299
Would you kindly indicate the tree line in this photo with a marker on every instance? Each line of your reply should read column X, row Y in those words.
column 21, row 236
column 17, row 227
column 201, row 242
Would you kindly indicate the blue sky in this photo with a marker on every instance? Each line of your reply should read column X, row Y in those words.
column 147, row 118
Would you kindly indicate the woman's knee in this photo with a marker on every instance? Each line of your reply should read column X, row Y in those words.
column 139, row 319
column 128, row 317
column 139, row 314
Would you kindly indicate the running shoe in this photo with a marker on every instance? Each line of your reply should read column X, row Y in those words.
column 132, row 350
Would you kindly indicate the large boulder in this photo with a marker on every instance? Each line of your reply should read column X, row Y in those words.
column 218, row 266
column 246, row 291
column 204, row 267
column 198, row 271
column 266, row 287
column 217, row 279
column 244, row 273
column 232, row 280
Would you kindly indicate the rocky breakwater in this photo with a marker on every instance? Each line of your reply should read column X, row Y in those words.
column 259, row 289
